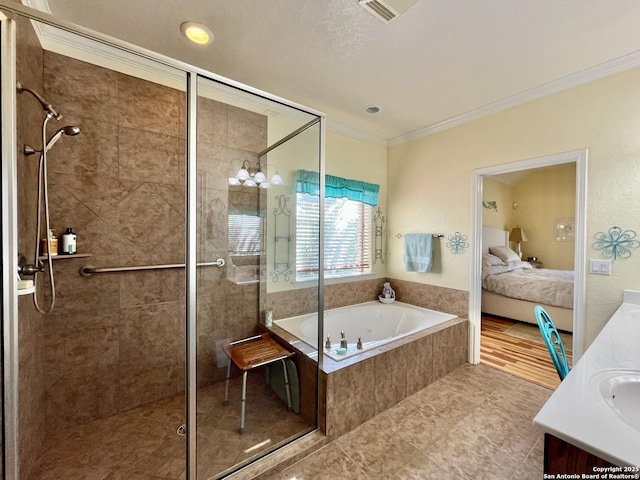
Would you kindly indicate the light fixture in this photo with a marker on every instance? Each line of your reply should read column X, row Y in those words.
column 251, row 176
column 517, row 235
column 197, row 33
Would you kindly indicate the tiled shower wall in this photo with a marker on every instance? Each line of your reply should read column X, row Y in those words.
column 116, row 341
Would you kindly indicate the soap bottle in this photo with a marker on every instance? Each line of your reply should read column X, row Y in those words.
column 69, row 242
column 53, row 243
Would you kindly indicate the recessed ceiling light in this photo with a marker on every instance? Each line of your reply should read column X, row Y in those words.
column 372, row 109
column 197, row 33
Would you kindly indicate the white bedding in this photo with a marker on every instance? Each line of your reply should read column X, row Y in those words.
column 519, row 280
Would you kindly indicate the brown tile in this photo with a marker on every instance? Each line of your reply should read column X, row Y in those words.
column 83, row 89
column 150, row 157
column 148, row 106
column 390, row 378
column 328, row 463
column 94, row 151
column 80, row 395
column 144, row 218
column 67, row 211
column 212, row 122
column 152, row 335
column 104, row 242
column 247, row 130
column 96, row 193
column 75, row 293
column 149, row 287
column 86, row 340
column 419, row 364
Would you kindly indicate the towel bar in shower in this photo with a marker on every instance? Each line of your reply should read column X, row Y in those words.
column 89, row 270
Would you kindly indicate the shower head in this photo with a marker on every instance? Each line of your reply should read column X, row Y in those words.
column 69, row 130
column 45, row 105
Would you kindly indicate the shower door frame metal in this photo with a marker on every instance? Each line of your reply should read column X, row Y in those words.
column 9, row 219
column 9, row 248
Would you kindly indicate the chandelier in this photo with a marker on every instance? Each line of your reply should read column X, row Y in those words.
column 251, row 176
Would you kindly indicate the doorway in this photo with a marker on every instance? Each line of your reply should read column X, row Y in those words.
column 579, row 157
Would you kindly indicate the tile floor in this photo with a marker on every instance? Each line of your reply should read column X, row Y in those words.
column 475, row 423
column 142, row 444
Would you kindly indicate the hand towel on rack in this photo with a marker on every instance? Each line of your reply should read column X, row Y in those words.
column 418, row 252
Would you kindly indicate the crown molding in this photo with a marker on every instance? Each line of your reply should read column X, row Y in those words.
column 606, row 69
column 348, row 131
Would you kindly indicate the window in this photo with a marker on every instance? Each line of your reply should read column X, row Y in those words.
column 347, row 226
column 347, row 237
column 245, row 234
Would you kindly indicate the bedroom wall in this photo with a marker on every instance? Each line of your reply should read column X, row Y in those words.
column 544, row 196
column 602, row 116
column 502, row 195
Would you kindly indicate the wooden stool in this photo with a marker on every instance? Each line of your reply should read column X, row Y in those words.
column 250, row 353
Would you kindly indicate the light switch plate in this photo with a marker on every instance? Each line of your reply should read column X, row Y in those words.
column 600, row 267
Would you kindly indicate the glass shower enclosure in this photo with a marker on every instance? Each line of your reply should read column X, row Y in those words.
column 176, row 258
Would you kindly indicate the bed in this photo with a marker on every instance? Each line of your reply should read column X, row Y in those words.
column 511, row 288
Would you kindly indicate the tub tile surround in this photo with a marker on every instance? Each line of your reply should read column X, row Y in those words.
column 360, row 387
column 359, row 390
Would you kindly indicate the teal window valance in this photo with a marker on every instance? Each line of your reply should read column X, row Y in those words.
column 337, row 187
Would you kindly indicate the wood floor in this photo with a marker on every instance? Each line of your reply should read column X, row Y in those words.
column 522, row 358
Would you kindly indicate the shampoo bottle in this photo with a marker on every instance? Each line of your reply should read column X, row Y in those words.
column 53, row 242
column 69, row 242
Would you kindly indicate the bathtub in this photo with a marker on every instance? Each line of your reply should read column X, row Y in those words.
column 374, row 322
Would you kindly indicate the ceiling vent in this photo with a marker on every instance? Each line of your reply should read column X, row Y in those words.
column 387, row 10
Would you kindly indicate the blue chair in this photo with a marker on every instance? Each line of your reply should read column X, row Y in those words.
column 553, row 341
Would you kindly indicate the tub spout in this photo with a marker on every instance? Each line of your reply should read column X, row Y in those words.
column 327, row 344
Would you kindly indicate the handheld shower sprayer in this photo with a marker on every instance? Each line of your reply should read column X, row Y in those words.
column 69, row 130
column 45, row 105
column 42, row 210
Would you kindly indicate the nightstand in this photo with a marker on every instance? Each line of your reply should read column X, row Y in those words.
column 535, row 264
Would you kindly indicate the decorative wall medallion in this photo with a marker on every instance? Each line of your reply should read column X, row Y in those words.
column 378, row 222
column 493, row 205
column 457, row 243
column 616, row 243
column 282, row 240
column 565, row 229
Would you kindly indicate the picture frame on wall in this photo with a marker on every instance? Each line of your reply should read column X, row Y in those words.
column 565, row 229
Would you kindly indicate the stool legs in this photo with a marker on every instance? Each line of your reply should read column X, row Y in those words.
column 244, row 400
column 286, row 383
column 226, row 385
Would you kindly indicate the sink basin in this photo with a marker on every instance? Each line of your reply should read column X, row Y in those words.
column 621, row 390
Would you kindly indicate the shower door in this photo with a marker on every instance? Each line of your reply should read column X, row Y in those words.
column 235, row 218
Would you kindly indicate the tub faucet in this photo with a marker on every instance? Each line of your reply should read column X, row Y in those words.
column 359, row 344
column 327, row 344
column 343, row 340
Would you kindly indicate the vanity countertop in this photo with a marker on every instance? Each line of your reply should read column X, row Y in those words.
column 577, row 412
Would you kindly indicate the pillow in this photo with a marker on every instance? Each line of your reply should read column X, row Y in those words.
column 505, row 254
column 489, row 260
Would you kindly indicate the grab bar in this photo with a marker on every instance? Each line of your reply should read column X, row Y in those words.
column 89, row 270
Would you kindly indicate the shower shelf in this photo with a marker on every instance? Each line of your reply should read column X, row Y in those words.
column 61, row 256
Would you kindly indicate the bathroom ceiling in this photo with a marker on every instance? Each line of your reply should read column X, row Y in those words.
column 439, row 64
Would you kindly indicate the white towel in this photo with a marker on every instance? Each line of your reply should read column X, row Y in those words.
column 418, row 252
